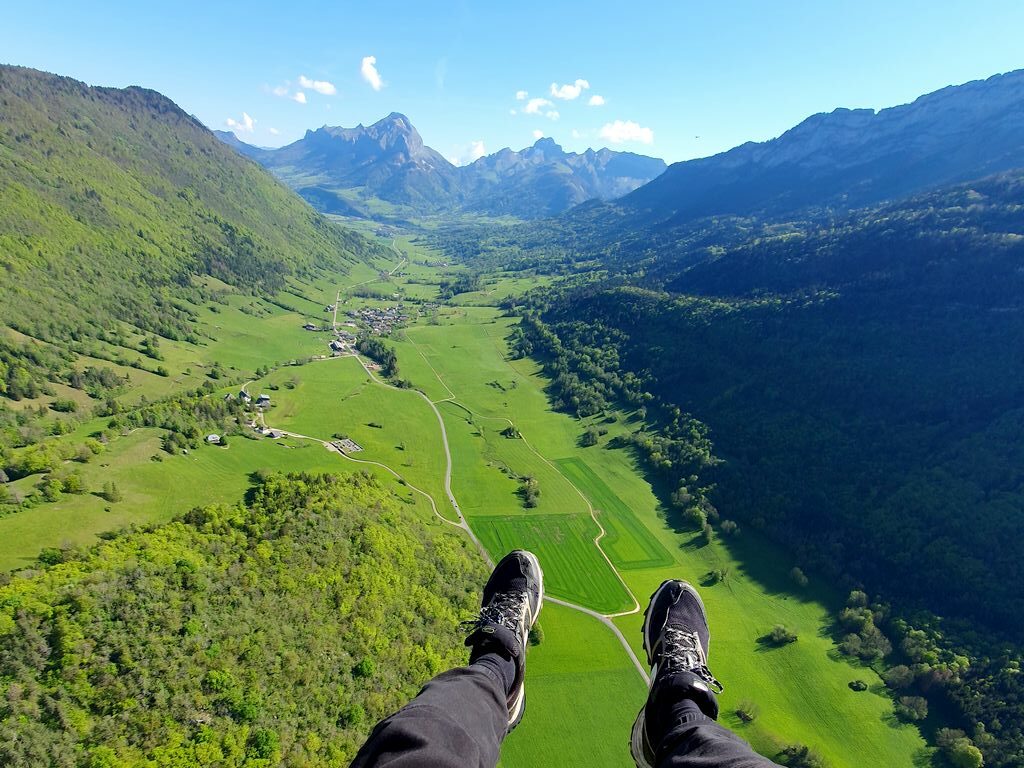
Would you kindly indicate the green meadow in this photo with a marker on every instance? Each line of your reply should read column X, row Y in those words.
column 336, row 396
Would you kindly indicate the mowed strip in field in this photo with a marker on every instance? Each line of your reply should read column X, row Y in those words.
column 627, row 542
column 564, row 544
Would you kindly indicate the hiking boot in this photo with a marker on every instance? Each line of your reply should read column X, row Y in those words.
column 511, row 602
column 677, row 641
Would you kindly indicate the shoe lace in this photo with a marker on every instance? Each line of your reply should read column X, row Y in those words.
column 505, row 609
column 681, row 649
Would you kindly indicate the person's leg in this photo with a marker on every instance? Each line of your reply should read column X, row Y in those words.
column 681, row 715
column 676, row 727
column 461, row 716
column 459, row 719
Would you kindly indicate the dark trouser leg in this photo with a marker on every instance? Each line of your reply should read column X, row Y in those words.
column 681, row 716
column 459, row 719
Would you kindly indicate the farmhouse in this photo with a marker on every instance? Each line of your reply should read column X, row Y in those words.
column 263, row 400
column 245, row 396
column 213, row 439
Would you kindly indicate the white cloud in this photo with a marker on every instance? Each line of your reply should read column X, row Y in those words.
column 281, row 90
column 534, row 106
column 596, row 101
column 245, row 125
column 521, row 95
column 621, row 132
column 320, row 86
column 538, row 134
column 468, row 153
column 569, row 91
column 512, row 112
column 273, row 131
column 552, row 114
column 576, row 134
column 299, row 97
column 370, row 73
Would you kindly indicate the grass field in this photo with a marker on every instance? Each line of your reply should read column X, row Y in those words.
column 573, row 566
column 152, row 491
column 582, row 696
column 628, row 543
column 394, row 427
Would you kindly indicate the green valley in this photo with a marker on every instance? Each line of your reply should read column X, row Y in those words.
column 256, row 460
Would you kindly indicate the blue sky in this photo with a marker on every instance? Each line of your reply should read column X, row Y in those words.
column 677, row 79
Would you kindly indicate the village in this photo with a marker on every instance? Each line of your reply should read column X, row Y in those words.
column 378, row 321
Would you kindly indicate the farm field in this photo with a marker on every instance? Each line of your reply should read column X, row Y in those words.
column 573, row 567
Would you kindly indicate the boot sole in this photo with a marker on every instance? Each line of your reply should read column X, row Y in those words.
column 636, row 740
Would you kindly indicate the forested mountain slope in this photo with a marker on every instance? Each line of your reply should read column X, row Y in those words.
column 274, row 633
column 112, row 202
column 862, row 383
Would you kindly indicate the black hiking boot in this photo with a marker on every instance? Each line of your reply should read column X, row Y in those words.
column 677, row 641
column 511, row 602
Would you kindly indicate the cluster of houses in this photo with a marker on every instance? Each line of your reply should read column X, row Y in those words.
column 380, row 321
column 262, row 400
column 343, row 343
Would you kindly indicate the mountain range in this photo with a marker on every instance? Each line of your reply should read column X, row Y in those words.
column 343, row 170
column 851, row 157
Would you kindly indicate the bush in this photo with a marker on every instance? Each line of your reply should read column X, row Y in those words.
column 747, row 710
column 781, row 635
column 111, row 492
column 898, row 677
column 364, row 668
column 800, row 756
column 965, row 755
column 858, row 685
column 695, row 517
column 536, row 634
column 729, row 528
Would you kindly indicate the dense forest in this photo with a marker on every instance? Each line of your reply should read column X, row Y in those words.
column 853, row 390
column 242, row 635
